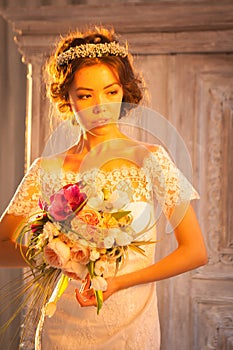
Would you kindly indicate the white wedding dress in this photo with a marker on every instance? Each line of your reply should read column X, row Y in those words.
column 129, row 318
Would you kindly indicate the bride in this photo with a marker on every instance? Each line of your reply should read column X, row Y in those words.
column 92, row 82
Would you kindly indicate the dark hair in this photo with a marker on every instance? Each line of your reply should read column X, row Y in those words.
column 60, row 77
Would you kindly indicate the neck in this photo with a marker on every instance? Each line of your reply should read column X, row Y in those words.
column 107, row 152
column 105, row 135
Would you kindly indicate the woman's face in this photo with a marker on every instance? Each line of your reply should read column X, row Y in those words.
column 95, row 96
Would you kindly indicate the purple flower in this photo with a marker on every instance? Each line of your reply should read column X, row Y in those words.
column 66, row 201
column 42, row 204
column 73, row 195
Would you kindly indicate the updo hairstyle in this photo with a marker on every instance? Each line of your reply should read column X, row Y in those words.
column 60, row 77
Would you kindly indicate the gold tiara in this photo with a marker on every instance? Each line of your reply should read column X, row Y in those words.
column 92, row 51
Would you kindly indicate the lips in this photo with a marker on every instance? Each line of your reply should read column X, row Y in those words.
column 100, row 121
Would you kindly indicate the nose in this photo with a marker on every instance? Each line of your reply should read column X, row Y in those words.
column 97, row 109
column 99, row 105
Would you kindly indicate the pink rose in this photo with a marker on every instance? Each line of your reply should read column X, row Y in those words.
column 57, row 253
column 75, row 270
column 66, row 201
column 80, row 253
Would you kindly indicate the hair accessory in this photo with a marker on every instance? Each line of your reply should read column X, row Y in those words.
column 92, row 51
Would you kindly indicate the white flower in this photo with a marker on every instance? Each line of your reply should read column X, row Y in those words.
column 94, row 255
column 75, row 270
column 123, row 239
column 50, row 309
column 72, row 236
column 96, row 202
column 50, row 231
column 99, row 283
column 110, row 239
column 83, row 242
column 41, row 242
column 109, row 242
column 101, row 267
column 119, row 199
column 142, row 215
column 113, row 232
column 77, row 225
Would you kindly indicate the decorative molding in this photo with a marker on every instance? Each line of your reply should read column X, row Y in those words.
column 213, row 324
column 159, row 16
column 218, row 153
column 216, row 101
column 216, row 274
column 150, row 27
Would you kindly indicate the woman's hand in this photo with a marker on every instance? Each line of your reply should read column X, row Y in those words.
column 189, row 254
column 86, row 295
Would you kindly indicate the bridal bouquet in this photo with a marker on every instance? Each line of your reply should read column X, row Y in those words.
column 80, row 233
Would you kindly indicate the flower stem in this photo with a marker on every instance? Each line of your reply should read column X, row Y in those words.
column 98, row 293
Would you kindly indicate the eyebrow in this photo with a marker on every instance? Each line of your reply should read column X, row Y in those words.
column 88, row 89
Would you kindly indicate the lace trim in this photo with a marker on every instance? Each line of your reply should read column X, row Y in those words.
column 25, row 199
column 158, row 174
column 170, row 186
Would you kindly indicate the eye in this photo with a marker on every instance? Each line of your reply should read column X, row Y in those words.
column 113, row 92
column 83, row 96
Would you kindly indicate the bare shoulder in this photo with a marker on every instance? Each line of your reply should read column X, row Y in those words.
column 150, row 147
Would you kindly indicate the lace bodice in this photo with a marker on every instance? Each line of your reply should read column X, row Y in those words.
column 129, row 319
column 157, row 178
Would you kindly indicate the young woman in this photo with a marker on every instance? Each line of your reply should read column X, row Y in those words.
column 92, row 81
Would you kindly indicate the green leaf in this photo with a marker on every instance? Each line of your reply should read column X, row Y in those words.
column 136, row 246
column 99, row 299
column 120, row 214
column 91, row 267
column 137, row 249
column 61, row 287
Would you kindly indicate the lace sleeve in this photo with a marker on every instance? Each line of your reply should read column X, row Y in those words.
column 25, row 199
column 170, row 186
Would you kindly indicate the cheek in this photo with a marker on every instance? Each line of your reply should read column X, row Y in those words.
column 83, row 116
column 115, row 109
column 76, row 105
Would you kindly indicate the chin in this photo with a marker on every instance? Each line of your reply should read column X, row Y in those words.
column 102, row 129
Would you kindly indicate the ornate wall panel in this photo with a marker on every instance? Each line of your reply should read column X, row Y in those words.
column 214, row 114
column 215, row 135
column 215, row 324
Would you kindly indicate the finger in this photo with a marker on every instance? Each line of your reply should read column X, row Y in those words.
column 89, row 293
column 88, row 282
column 85, row 299
column 80, row 297
column 85, row 284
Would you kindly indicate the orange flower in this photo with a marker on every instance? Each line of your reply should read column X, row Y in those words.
column 89, row 216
